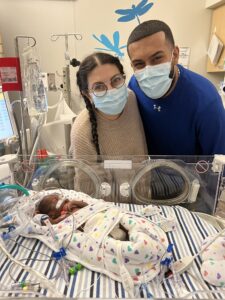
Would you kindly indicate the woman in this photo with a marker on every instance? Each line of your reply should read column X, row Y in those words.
column 110, row 125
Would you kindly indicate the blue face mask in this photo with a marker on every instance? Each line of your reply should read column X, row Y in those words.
column 113, row 102
column 154, row 80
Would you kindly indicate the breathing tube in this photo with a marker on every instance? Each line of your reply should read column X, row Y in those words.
column 13, row 217
column 14, row 187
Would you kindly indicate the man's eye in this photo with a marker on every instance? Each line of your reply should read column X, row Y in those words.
column 139, row 66
column 157, row 60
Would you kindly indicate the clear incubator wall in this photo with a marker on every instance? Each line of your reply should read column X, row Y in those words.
column 189, row 181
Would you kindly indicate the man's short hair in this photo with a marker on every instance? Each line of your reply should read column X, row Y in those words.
column 148, row 28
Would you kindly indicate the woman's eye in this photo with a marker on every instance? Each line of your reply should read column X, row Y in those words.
column 116, row 80
column 99, row 87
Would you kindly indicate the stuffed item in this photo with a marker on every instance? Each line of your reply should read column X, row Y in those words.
column 213, row 266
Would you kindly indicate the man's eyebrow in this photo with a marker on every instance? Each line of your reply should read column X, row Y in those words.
column 157, row 53
column 151, row 56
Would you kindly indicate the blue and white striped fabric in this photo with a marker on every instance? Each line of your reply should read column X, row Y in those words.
column 186, row 238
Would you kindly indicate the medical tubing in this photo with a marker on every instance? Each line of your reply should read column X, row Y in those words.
column 77, row 164
column 35, row 146
column 15, row 187
column 209, row 243
column 161, row 163
column 21, row 292
column 197, row 292
column 61, row 98
column 57, row 113
column 43, row 280
column 61, row 261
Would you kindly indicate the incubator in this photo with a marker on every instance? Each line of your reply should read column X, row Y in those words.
column 183, row 196
column 189, row 181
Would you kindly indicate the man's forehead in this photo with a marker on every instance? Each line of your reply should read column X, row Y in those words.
column 151, row 44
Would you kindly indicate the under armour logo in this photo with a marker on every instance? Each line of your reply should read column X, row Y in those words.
column 157, row 107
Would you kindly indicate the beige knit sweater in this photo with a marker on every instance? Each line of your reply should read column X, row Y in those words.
column 123, row 136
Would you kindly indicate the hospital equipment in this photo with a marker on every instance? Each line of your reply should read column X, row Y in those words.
column 24, row 141
column 170, row 181
column 34, row 90
column 133, row 183
column 8, row 128
column 66, row 70
column 8, row 138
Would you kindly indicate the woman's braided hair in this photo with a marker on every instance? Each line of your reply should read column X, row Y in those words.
column 85, row 68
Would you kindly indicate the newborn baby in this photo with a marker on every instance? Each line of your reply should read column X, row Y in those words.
column 57, row 210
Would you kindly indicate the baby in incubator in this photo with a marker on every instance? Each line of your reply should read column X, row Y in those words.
column 57, row 210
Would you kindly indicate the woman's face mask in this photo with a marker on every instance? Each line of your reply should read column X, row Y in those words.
column 155, row 81
column 113, row 102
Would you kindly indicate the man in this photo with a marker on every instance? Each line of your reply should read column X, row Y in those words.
column 182, row 112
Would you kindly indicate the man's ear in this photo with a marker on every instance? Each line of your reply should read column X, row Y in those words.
column 176, row 52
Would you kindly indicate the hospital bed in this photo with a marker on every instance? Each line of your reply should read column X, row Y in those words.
column 188, row 188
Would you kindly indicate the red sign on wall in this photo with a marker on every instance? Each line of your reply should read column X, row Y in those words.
column 10, row 74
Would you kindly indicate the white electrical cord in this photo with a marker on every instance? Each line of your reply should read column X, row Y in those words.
column 43, row 280
column 61, row 98
column 42, row 122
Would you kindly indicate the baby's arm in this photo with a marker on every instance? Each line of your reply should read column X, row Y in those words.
column 76, row 204
column 59, row 219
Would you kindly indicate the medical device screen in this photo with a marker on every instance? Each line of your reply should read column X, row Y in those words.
column 6, row 125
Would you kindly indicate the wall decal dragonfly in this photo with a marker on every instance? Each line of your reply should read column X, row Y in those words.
column 111, row 46
column 134, row 12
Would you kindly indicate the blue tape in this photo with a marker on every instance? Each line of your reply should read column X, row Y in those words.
column 170, row 248
column 166, row 261
column 59, row 254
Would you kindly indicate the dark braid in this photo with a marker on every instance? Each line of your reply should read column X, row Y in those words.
column 87, row 66
column 93, row 121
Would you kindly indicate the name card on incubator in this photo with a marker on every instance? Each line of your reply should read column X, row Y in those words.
column 118, row 164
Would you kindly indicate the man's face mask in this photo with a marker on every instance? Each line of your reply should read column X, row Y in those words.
column 155, row 81
column 113, row 102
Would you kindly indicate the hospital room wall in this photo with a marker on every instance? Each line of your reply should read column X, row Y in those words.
column 189, row 20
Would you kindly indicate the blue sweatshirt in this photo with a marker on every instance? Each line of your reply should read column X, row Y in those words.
column 190, row 121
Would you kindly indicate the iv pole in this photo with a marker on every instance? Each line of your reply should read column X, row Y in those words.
column 66, row 69
column 22, row 108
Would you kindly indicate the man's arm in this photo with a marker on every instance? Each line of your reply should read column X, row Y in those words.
column 211, row 128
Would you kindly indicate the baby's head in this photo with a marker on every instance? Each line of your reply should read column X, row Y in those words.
column 48, row 206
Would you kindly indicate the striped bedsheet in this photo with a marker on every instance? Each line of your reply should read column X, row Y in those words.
column 186, row 238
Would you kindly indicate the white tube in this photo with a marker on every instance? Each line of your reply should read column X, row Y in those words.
column 57, row 103
column 43, row 280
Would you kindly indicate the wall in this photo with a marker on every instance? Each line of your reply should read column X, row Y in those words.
column 189, row 20
column 213, row 3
